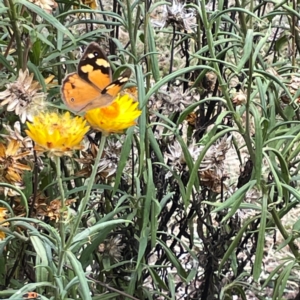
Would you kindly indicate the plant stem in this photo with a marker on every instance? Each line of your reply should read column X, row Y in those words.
column 131, row 29
column 86, row 198
column 13, row 19
column 62, row 215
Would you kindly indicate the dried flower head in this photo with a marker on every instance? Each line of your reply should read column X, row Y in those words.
column 212, row 169
column 16, row 134
column 173, row 100
column 46, row 5
column 116, row 117
column 22, row 96
column 209, row 81
column 175, row 156
column 238, row 98
column 3, row 213
column 293, row 86
column 56, row 133
column 108, row 164
column 41, row 207
column 112, row 248
column 11, row 167
column 192, row 119
column 178, row 16
column 53, row 210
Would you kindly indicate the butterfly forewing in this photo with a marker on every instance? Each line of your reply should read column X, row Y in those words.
column 94, row 66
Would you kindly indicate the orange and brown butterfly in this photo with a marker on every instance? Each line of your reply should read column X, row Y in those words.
column 31, row 295
column 92, row 86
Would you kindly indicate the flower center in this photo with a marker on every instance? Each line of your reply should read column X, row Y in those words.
column 111, row 111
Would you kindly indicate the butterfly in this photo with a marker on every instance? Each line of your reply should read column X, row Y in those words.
column 31, row 295
column 92, row 86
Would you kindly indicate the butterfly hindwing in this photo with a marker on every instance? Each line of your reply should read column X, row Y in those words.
column 115, row 87
column 78, row 93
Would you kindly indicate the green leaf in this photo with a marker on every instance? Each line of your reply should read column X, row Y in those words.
column 123, row 157
column 261, row 239
column 77, row 268
column 48, row 17
column 247, row 51
column 281, row 281
column 34, row 69
column 4, row 62
column 235, row 242
column 152, row 48
column 83, row 236
column 258, row 143
column 173, row 259
column 240, row 193
column 41, row 259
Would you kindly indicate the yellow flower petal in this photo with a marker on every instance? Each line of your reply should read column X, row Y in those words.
column 120, row 115
column 57, row 133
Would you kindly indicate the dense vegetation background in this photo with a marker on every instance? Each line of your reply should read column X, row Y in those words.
column 199, row 200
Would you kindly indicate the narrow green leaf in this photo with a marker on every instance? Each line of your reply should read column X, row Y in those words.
column 42, row 258
column 123, row 158
column 157, row 279
column 240, row 193
column 5, row 63
column 281, row 281
column 77, row 268
column 272, row 166
column 235, row 242
column 83, row 236
column 171, row 284
column 273, row 273
column 173, row 259
column 154, row 145
column 48, row 17
column 247, row 51
column 34, row 69
column 155, row 210
column 152, row 48
column 143, row 241
column 261, row 239
column 258, row 143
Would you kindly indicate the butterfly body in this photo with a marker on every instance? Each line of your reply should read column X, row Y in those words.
column 92, row 86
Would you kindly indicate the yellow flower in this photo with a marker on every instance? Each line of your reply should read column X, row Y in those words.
column 120, row 115
column 57, row 133
column 3, row 212
column 91, row 3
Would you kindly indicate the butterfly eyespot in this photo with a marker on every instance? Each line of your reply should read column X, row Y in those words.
column 96, row 53
column 72, row 99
